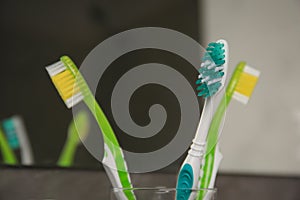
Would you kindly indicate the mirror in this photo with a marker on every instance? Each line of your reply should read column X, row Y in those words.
column 37, row 128
column 260, row 138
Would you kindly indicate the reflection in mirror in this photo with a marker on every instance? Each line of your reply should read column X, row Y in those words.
column 36, row 127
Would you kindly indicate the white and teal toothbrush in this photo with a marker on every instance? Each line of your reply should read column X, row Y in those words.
column 211, row 82
column 73, row 89
column 17, row 138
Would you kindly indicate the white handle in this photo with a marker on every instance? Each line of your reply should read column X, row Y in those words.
column 190, row 170
column 112, row 172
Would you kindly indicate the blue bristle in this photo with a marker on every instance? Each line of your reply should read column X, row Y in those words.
column 213, row 57
column 11, row 134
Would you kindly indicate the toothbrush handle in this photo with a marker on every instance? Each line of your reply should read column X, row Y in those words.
column 213, row 132
column 212, row 143
column 189, row 173
column 119, row 174
column 207, row 173
column 215, row 125
column 214, row 128
column 8, row 155
column 67, row 156
column 213, row 159
column 117, row 177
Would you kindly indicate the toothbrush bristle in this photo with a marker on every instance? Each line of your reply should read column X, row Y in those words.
column 65, row 82
column 246, row 84
column 211, row 70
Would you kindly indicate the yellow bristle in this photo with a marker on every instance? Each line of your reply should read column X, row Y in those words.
column 246, row 84
column 65, row 84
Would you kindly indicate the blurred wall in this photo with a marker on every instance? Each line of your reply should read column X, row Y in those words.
column 264, row 136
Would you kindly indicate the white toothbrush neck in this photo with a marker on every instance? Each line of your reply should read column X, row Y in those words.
column 205, row 120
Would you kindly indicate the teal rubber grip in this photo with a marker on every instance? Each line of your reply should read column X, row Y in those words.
column 185, row 182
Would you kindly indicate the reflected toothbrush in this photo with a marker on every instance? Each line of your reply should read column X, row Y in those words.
column 17, row 138
column 73, row 140
column 7, row 153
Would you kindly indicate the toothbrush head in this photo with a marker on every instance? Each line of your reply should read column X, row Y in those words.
column 10, row 131
column 67, row 80
column 213, row 69
column 243, row 82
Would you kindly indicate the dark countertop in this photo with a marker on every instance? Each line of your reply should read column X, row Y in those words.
column 65, row 184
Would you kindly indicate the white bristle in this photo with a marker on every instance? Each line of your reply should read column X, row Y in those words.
column 214, row 81
column 224, row 67
column 212, row 65
column 74, row 100
column 240, row 97
column 205, row 79
column 56, row 68
column 251, row 71
column 206, row 62
column 219, row 68
column 243, row 98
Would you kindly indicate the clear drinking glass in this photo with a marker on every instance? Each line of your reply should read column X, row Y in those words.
column 161, row 193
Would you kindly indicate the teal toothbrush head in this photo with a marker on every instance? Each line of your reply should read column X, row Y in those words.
column 11, row 133
column 212, row 71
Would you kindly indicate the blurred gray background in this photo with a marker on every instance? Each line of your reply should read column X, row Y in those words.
column 264, row 136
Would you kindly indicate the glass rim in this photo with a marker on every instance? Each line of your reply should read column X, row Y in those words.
column 162, row 189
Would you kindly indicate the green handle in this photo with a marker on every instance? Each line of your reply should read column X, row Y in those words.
column 7, row 153
column 67, row 156
column 73, row 140
column 112, row 142
column 214, row 128
column 211, row 146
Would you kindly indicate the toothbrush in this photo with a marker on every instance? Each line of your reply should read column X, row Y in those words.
column 73, row 140
column 240, row 87
column 211, row 81
column 73, row 89
column 15, row 131
column 7, row 153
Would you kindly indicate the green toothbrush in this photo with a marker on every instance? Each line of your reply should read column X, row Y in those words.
column 73, row 89
column 73, row 140
column 240, row 87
